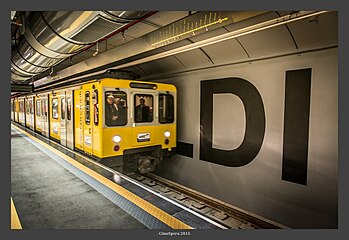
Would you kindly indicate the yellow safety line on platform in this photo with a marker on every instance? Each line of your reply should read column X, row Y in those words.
column 146, row 206
column 15, row 223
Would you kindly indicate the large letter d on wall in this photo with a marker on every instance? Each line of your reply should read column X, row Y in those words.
column 255, row 122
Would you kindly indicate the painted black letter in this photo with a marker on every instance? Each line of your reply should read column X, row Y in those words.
column 255, row 122
column 296, row 126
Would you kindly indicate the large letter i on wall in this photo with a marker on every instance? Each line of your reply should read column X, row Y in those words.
column 296, row 126
column 255, row 122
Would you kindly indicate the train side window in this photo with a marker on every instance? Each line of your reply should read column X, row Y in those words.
column 95, row 106
column 87, row 107
column 55, row 108
column 38, row 108
column 45, row 108
column 115, row 108
column 27, row 107
column 21, row 106
column 68, row 108
column 166, row 108
column 62, row 108
column 143, row 108
column 43, row 102
column 31, row 107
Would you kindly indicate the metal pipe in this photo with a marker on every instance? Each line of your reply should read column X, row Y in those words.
column 51, row 37
column 122, row 30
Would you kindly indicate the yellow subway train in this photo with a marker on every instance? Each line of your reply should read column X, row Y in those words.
column 121, row 123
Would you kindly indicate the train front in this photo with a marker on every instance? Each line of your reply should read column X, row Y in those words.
column 139, row 124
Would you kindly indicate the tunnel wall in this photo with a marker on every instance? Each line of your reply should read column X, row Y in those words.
column 289, row 175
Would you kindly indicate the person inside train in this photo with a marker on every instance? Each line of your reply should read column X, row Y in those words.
column 142, row 111
column 111, row 112
column 121, row 110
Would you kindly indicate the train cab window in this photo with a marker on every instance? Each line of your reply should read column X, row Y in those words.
column 166, row 108
column 55, row 108
column 115, row 108
column 95, row 106
column 38, row 108
column 68, row 109
column 87, row 107
column 143, row 108
column 62, row 108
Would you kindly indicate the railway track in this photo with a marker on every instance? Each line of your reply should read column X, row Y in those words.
column 229, row 216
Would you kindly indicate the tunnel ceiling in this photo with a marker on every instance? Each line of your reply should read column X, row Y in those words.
column 300, row 36
column 156, row 34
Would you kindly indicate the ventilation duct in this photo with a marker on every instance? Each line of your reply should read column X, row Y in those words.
column 47, row 38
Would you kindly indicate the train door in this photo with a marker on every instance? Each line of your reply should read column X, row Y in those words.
column 16, row 110
column 20, row 105
column 22, row 111
column 29, row 113
column 83, row 123
column 38, row 122
column 24, row 120
column 32, row 115
column 63, row 120
column 12, row 110
column 69, row 119
column 96, row 125
column 45, row 116
column 78, row 112
column 143, row 130
column 54, row 116
column 88, row 124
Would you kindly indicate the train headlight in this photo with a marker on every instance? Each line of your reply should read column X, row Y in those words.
column 116, row 139
column 167, row 134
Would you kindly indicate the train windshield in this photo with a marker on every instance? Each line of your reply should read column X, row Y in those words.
column 115, row 108
column 166, row 108
column 143, row 108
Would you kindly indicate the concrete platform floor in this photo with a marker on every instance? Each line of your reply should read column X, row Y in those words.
column 47, row 196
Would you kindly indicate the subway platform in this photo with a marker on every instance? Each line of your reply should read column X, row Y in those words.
column 53, row 188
